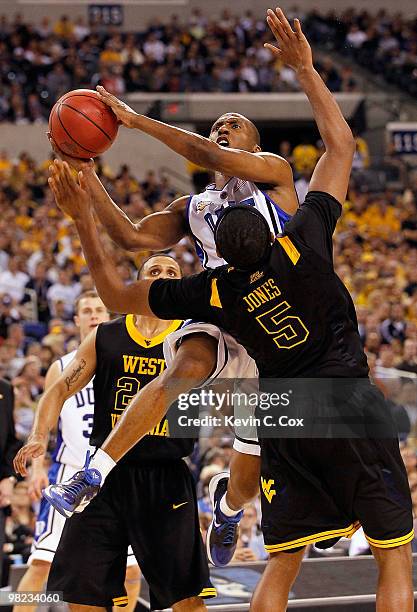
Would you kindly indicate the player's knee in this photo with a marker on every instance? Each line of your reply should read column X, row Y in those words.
column 133, row 573
column 399, row 557
column 192, row 604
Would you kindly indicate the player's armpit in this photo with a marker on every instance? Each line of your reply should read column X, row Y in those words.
column 161, row 230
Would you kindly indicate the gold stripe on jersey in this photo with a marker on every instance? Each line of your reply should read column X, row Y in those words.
column 135, row 334
column 289, row 248
column 346, row 532
column 215, row 298
column 391, row 543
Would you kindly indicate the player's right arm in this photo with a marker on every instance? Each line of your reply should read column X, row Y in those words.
column 75, row 376
column 332, row 172
column 155, row 232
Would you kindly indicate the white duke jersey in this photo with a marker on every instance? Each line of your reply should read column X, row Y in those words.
column 204, row 209
column 75, row 424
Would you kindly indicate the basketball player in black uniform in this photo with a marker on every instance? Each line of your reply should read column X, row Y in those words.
column 149, row 501
column 289, row 309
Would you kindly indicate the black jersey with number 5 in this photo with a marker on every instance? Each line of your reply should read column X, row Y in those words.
column 293, row 314
column 126, row 362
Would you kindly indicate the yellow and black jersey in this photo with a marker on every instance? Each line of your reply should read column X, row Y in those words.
column 293, row 314
column 126, row 362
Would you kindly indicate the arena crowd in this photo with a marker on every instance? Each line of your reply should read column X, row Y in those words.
column 39, row 62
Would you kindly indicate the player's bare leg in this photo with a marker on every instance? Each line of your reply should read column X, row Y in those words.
column 34, row 580
column 192, row 604
column 132, row 586
column 274, row 587
column 395, row 579
column 243, row 483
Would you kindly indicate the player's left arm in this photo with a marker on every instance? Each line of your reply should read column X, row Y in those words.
column 257, row 167
column 332, row 172
column 74, row 377
column 74, row 199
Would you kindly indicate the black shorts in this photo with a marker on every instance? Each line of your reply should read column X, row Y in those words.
column 319, row 490
column 153, row 508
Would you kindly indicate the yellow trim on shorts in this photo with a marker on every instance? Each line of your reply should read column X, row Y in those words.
column 346, row 532
column 208, row 592
column 120, row 601
column 391, row 543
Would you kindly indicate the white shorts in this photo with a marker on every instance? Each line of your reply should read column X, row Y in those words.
column 49, row 523
column 233, row 362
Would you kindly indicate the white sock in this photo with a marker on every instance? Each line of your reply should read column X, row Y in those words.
column 227, row 511
column 103, row 463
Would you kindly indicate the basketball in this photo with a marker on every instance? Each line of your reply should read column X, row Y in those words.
column 82, row 125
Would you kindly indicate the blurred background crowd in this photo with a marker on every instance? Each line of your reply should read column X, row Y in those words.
column 42, row 267
column 40, row 62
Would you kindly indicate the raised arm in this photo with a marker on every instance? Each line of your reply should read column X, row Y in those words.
column 333, row 169
column 252, row 166
column 71, row 380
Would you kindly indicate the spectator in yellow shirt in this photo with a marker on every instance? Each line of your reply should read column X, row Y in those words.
column 5, row 163
column 64, row 27
column 305, row 157
column 381, row 219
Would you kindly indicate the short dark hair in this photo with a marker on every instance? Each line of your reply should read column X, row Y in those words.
column 151, row 257
column 243, row 237
column 83, row 296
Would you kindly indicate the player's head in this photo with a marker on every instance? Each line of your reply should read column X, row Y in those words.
column 237, row 132
column 159, row 265
column 243, row 237
column 89, row 312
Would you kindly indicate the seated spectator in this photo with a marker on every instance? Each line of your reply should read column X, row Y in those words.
column 8, row 314
column 20, row 525
column 13, row 280
column 395, row 325
column 409, row 357
column 63, row 290
column 305, row 157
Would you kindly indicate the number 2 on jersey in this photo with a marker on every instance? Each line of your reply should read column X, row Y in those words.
column 128, row 387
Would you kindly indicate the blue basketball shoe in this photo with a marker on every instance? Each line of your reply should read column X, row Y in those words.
column 223, row 531
column 74, row 494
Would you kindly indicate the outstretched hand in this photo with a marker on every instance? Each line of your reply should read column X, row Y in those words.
column 123, row 112
column 34, row 447
column 71, row 196
column 294, row 49
column 75, row 162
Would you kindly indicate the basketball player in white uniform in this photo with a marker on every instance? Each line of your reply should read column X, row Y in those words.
column 74, row 430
